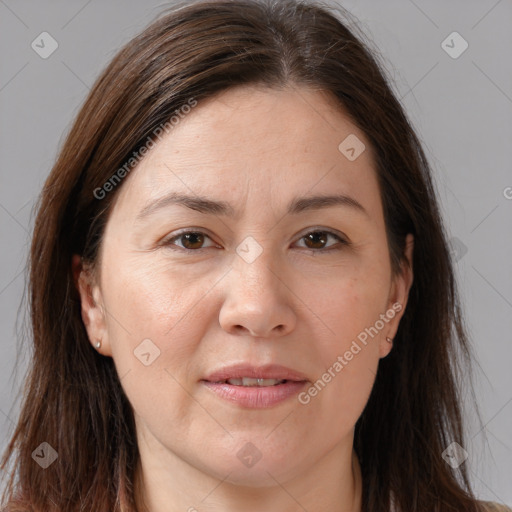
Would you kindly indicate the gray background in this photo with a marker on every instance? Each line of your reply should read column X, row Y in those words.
column 461, row 108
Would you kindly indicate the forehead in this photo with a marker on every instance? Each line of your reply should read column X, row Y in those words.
column 252, row 143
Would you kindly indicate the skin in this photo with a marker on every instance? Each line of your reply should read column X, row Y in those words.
column 257, row 149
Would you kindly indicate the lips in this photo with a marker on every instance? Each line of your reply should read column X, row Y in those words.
column 255, row 387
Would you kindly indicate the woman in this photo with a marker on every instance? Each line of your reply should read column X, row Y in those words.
column 241, row 291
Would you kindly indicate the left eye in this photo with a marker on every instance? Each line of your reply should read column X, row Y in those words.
column 191, row 240
column 194, row 240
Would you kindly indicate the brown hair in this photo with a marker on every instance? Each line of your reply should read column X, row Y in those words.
column 73, row 399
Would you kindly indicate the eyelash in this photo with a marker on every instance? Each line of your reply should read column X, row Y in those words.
column 169, row 241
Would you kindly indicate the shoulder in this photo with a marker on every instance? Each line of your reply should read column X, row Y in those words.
column 488, row 506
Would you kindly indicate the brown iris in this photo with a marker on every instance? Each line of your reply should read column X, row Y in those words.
column 318, row 237
column 192, row 240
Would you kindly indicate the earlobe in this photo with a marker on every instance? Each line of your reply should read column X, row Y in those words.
column 386, row 347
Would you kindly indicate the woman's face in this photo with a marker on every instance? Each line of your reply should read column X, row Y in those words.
column 272, row 283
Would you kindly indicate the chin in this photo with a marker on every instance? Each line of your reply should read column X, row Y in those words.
column 252, row 468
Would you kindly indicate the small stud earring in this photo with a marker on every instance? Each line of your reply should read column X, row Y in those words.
column 389, row 340
column 98, row 344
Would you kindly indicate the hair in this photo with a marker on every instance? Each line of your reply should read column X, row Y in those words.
column 73, row 398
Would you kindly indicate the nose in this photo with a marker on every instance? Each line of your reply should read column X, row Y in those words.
column 259, row 301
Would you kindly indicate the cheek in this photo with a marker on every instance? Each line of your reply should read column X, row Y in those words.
column 345, row 396
column 156, row 320
column 349, row 363
column 351, row 308
column 348, row 305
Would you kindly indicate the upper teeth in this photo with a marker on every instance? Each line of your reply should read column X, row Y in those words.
column 247, row 381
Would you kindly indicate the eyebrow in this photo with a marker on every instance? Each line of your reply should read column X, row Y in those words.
column 210, row 207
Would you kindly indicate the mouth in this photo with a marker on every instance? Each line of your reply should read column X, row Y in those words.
column 255, row 387
column 250, row 382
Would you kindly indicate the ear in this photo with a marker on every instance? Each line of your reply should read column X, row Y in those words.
column 398, row 296
column 93, row 311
